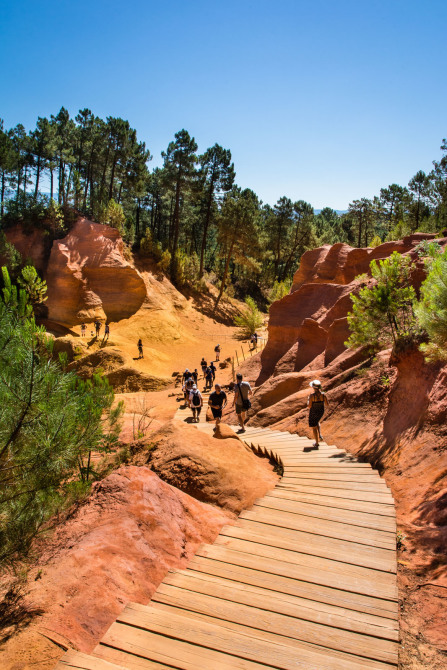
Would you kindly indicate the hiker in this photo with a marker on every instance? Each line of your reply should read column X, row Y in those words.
column 83, row 329
column 316, row 403
column 140, row 349
column 217, row 401
column 106, row 331
column 195, row 403
column 242, row 391
column 217, row 352
column 195, row 376
column 186, row 375
column 213, row 370
column 187, row 388
column 254, row 340
column 97, row 327
column 203, row 365
column 208, row 379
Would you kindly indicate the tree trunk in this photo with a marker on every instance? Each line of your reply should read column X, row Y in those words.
column 359, row 242
column 36, row 189
column 112, row 176
column 205, row 228
column 176, row 224
column 3, row 193
column 51, row 183
column 224, row 278
column 137, row 220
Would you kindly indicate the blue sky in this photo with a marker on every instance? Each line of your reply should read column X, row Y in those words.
column 325, row 101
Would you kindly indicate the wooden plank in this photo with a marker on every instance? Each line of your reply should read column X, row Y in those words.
column 128, row 660
column 356, row 579
column 315, row 545
column 331, row 466
column 278, row 624
column 354, row 517
column 371, row 507
column 271, row 560
column 351, row 476
column 279, row 652
column 77, row 660
column 282, row 603
column 147, row 644
column 374, row 487
column 292, row 586
column 337, row 491
column 334, row 529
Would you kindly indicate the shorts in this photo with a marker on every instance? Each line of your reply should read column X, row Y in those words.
column 217, row 413
column 240, row 409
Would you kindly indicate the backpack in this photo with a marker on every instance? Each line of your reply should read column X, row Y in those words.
column 196, row 399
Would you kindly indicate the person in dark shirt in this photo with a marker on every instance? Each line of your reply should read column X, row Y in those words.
column 208, row 379
column 217, row 401
column 195, row 376
column 213, row 370
column 203, row 365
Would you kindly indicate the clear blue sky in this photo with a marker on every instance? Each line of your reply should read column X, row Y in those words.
column 321, row 100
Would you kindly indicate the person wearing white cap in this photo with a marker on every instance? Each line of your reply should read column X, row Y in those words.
column 217, row 352
column 316, row 402
column 195, row 403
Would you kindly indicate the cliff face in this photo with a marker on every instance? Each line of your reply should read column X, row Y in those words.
column 390, row 411
column 88, row 277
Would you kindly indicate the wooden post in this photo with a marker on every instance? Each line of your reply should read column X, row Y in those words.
column 237, row 358
column 232, row 368
column 243, row 352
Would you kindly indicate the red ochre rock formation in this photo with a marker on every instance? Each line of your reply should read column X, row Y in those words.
column 29, row 243
column 116, row 548
column 390, row 411
column 221, row 471
column 88, row 277
column 311, row 320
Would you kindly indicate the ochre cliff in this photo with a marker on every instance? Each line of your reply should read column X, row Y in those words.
column 390, row 411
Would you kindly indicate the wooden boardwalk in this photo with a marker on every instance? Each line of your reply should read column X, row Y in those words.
column 305, row 579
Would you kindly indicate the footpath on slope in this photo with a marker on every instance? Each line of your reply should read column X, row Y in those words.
column 305, row 579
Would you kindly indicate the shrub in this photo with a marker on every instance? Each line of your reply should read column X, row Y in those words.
column 279, row 290
column 383, row 313
column 431, row 310
column 375, row 242
column 50, row 423
column 250, row 319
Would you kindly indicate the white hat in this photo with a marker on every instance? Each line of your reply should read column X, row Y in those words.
column 315, row 382
column 194, row 386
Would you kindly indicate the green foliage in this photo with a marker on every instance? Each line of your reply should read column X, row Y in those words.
column 50, row 421
column 250, row 319
column 55, row 218
column 113, row 215
column 375, row 242
column 34, row 287
column 279, row 290
column 431, row 310
column 9, row 254
column 383, row 313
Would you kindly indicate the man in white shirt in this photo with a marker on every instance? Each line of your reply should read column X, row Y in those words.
column 195, row 403
column 242, row 391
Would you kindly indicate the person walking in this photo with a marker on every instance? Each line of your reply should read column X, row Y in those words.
column 213, row 371
column 217, row 401
column 106, row 331
column 187, row 388
column 97, row 327
column 195, row 403
column 208, row 379
column 217, row 352
column 317, row 401
column 242, row 393
column 140, row 349
column 83, row 329
column 195, row 376
column 186, row 375
column 203, row 365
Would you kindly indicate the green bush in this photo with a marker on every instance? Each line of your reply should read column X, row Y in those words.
column 383, row 314
column 50, row 421
column 279, row 290
column 250, row 319
column 431, row 310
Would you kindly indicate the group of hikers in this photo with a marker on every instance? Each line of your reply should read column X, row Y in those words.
column 218, row 399
column 98, row 325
